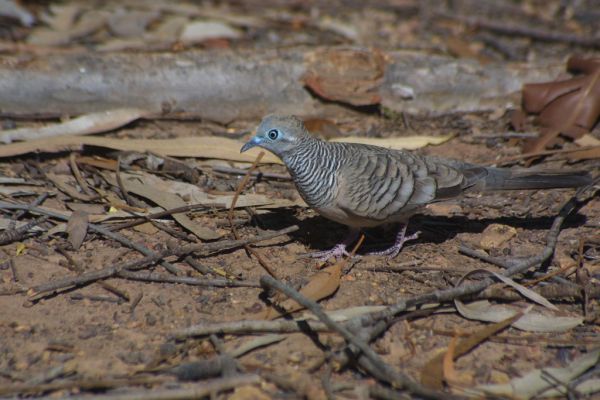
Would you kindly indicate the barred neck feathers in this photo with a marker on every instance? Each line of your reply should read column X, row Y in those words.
column 313, row 165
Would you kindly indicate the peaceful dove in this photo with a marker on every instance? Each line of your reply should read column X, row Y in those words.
column 363, row 186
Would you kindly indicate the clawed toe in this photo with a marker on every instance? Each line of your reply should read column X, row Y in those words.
column 337, row 252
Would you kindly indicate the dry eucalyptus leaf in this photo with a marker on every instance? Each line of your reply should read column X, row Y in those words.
column 398, row 143
column 533, row 321
column 495, row 235
column 536, row 384
column 77, row 228
column 86, row 124
column 148, row 187
column 199, row 31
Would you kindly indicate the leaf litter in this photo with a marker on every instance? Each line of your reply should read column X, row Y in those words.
column 100, row 330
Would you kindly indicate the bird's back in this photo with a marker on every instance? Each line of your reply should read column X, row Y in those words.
column 361, row 185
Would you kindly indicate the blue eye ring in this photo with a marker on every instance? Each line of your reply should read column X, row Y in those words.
column 273, row 134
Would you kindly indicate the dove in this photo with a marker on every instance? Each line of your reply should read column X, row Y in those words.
column 363, row 186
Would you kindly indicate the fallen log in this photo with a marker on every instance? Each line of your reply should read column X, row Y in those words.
column 224, row 86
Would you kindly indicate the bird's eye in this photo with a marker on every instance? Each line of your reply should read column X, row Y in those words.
column 273, row 134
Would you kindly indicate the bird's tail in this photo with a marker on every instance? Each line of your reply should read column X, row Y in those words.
column 506, row 179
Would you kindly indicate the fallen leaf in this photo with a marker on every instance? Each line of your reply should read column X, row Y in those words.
column 432, row 373
column 570, row 107
column 587, row 140
column 146, row 228
column 495, row 235
column 149, row 187
column 533, row 321
column 86, row 124
column 193, row 146
column 398, row 143
column 77, row 228
column 584, row 154
column 321, row 285
column 200, row 31
column 536, row 384
column 62, row 183
column 248, row 392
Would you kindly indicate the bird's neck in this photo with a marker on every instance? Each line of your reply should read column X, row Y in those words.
column 313, row 167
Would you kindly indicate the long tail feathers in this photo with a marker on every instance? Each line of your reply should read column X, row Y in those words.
column 504, row 179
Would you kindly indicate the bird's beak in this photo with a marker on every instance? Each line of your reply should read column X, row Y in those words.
column 255, row 141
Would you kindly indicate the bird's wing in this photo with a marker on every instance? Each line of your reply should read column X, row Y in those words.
column 381, row 184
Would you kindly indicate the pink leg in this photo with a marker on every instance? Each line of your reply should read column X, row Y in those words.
column 401, row 238
column 339, row 249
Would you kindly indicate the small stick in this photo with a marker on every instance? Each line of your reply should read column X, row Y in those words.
column 240, row 187
column 155, row 277
column 160, row 214
column 93, row 227
column 38, row 200
column 239, row 171
column 136, row 300
column 76, row 267
column 13, row 269
column 79, row 296
column 385, row 372
column 201, row 248
column 10, row 236
column 77, row 174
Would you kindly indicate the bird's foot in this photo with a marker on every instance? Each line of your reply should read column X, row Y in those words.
column 393, row 251
column 338, row 251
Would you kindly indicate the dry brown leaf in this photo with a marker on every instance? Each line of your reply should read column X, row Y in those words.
column 532, row 321
column 84, row 125
column 496, row 235
column 77, row 228
column 321, row 285
column 535, row 384
column 584, row 154
column 62, row 183
column 587, row 140
column 398, row 143
column 570, row 107
column 146, row 228
column 153, row 189
column 197, row 146
column 432, row 373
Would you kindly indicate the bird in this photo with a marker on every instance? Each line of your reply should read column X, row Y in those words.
column 363, row 186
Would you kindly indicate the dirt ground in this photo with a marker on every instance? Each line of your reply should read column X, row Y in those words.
column 100, row 337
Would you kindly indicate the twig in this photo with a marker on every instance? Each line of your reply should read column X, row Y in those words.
column 160, row 214
column 81, row 384
column 200, row 248
column 382, row 370
column 155, row 277
column 441, row 296
column 250, row 327
column 526, row 31
column 239, row 171
column 76, row 267
column 80, row 296
column 38, row 200
column 77, row 174
column 10, row 236
column 93, row 227
column 506, row 160
column 240, row 187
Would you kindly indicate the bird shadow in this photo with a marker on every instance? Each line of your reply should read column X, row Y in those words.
column 319, row 233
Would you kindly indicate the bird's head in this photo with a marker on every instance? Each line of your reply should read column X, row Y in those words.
column 279, row 134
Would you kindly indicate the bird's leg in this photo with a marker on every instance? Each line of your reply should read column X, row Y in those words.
column 401, row 238
column 339, row 249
